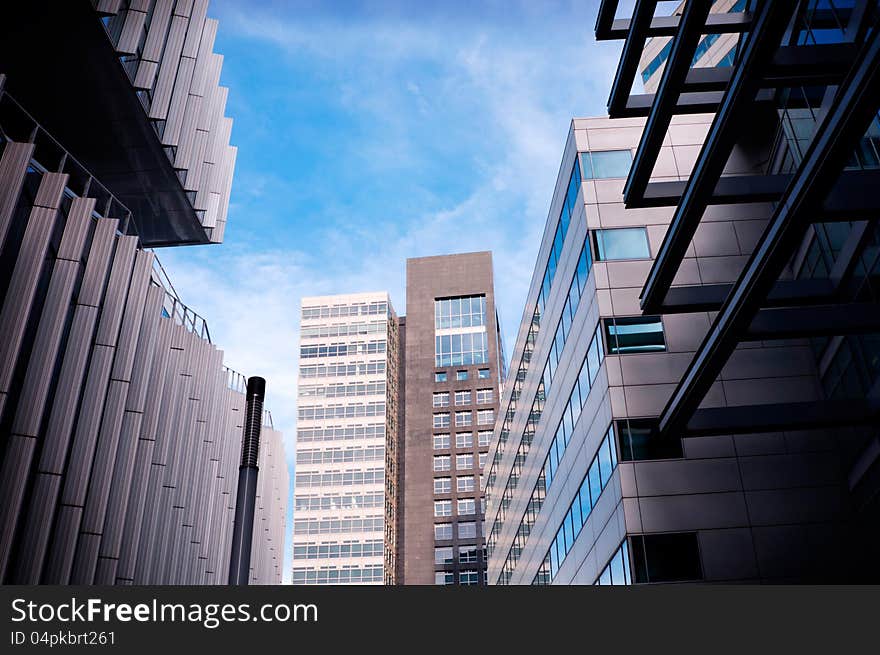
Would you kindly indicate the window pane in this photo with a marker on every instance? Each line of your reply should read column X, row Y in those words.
column 639, row 334
column 611, row 163
column 624, row 243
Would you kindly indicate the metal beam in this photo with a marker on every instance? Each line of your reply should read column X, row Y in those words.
column 752, row 419
column 732, row 23
column 710, row 297
column 770, row 24
column 684, row 45
column 731, row 189
column 821, row 321
column 849, row 115
column 628, row 65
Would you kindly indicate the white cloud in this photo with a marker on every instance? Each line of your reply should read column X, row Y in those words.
column 511, row 91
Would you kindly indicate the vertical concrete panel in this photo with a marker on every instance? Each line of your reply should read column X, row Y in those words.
column 13, row 166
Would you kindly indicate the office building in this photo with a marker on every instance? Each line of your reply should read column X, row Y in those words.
column 343, row 527
column 120, row 428
column 453, row 373
column 698, row 394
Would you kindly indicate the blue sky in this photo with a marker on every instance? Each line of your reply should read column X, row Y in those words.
column 372, row 132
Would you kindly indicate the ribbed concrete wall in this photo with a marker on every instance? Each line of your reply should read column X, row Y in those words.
column 119, row 430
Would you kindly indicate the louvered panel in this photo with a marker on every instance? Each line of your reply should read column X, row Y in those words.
column 15, row 467
column 13, row 166
column 157, row 31
column 195, row 34
column 22, row 289
column 34, row 537
column 145, row 77
column 203, row 58
column 113, row 303
column 168, row 69
column 132, row 27
column 108, row 6
column 183, row 8
column 134, row 311
column 177, row 106
column 187, row 132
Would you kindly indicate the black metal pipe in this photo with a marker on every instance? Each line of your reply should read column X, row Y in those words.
column 245, row 500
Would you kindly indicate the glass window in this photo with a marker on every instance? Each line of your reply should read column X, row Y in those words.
column 485, row 396
column 464, row 462
column 469, row 578
column 463, row 397
column 441, row 399
column 485, row 436
column 442, row 462
column 443, row 555
column 666, row 557
column 444, row 578
column 464, row 418
column 483, row 373
column 441, row 441
column 606, row 164
column 442, row 485
column 442, row 508
column 466, row 311
column 483, row 460
column 622, row 243
column 441, row 420
column 464, row 440
column 467, row 554
column 485, row 416
column 442, row 531
column 466, row 506
column 637, row 334
column 638, row 441
column 464, row 483
column 467, row 530
column 461, row 375
column 440, row 376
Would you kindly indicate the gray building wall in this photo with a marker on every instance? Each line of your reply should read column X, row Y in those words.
column 764, row 507
column 427, row 279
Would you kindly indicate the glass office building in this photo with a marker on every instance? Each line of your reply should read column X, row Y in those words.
column 695, row 396
column 344, row 505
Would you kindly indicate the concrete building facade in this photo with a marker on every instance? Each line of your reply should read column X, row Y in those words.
column 453, row 370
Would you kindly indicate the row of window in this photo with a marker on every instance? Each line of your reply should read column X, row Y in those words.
column 318, row 412
column 461, row 349
column 339, row 501
column 339, row 478
column 596, row 479
column 525, row 444
column 482, row 374
column 466, row 530
column 484, row 396
column 617, row 571
column 342, row 370
column 338, row 576
column 462, row 440
column 464, row 577
column 536, row 501
column 465, row 507
column 463, row 484
column 341, row 433
column 466, row 555
column 342, row 390
column 368, row 548
column 338, row 455
column 572, row 301
column 579, row 393
column 484, row 417
column 569, row 205
column 461, row 312
column 343, row 349
column 354, row 309
column 345, row 330
column 463, row 462
column 338, row 526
